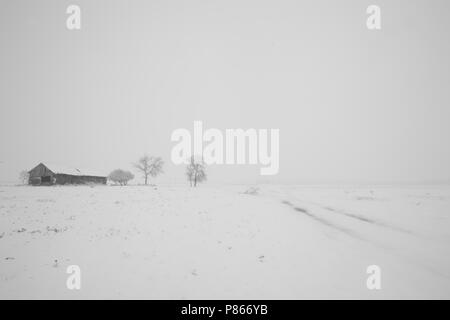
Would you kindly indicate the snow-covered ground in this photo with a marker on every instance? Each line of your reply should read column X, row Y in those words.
column 284, row 242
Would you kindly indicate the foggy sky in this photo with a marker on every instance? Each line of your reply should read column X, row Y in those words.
column 352, row 105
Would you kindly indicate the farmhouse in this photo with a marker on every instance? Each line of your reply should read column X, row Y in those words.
column 54, row 174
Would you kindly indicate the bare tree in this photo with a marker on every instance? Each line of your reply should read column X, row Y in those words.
column 150, row 166
column 24, row 176
column 196, row 171
column 121, row 176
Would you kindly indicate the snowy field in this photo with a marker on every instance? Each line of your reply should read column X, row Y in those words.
column 282, row 242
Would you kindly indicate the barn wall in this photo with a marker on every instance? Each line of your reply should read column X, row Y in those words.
column 63, row 178
column 92, row 179
column 38, row 172
column 70, row 179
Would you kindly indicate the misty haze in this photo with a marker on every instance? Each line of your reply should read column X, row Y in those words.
column 101, row 196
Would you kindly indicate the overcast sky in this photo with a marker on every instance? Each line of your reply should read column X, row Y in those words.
column 352, row 105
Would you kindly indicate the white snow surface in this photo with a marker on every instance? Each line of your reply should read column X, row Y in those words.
column 213, row 242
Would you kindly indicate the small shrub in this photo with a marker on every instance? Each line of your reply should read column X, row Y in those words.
column 121, row 177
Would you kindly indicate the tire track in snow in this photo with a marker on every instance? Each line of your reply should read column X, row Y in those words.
column 361, row 218
column 324, row 221
column 387, row 248
column 365, row 219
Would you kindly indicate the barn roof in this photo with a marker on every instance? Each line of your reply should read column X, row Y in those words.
column 61, row 169
column 56, row 168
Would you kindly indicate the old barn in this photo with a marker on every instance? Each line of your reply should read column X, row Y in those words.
column 55, row 174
